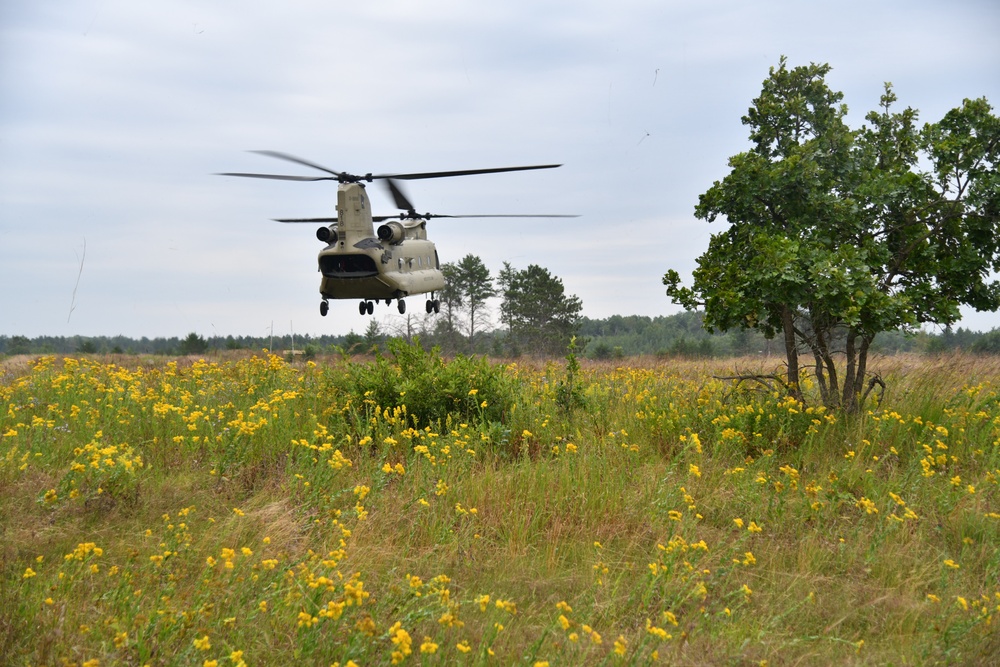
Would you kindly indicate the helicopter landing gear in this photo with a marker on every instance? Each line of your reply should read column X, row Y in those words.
column 366, row 307
column 433, row 306
column 324, row 307
column 401, row 306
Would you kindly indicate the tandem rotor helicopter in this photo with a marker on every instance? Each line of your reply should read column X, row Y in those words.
column 393, row 261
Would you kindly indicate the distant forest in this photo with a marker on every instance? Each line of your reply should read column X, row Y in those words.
column 615, row 337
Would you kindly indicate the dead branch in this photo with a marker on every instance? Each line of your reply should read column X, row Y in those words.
column 876, row 380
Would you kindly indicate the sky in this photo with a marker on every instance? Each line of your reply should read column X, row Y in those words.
column 116, row 115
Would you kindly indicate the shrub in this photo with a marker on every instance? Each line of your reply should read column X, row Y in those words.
column 430, row 387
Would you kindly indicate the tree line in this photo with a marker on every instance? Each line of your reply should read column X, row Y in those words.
column 680, row 335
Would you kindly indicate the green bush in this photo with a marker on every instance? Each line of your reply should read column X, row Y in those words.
column 430, row 387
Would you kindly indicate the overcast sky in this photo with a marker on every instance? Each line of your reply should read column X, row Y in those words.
column 115, row 114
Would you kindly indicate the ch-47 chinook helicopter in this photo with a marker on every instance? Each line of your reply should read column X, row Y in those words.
column 391, row 262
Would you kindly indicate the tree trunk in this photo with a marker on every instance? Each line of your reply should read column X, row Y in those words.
column 832, row 399
column 852, row 402
column 824, row 391
column 791, row 352
column 849, row 398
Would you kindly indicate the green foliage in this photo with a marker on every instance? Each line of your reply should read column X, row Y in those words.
column 569, row 393
column 193, row 344
column 988, row 343
column 541, row 317
column 431, row 388
column 676, row 515
column 837, row 235
column 451, row 303
column 18, row 345
column 473, row 282
column 373, row 337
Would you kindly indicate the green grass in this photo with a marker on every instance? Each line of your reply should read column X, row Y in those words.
column 622, row 515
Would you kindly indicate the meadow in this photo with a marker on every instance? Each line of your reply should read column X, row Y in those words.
column 410, row 509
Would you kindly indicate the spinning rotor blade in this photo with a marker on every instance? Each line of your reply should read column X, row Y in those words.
column 298, row 160
column 504, row 215
column 402, row 202
column 375, row 218
column 340, row 177
column 463, row 172
column 280, row 177
column 345, row 177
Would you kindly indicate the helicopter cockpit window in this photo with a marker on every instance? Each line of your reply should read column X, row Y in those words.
column 347, row 266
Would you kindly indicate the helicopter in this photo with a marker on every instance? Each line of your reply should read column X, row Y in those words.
column 393, row 261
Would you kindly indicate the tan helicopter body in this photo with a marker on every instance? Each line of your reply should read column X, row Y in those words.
column 357, row 264
column 391, row 262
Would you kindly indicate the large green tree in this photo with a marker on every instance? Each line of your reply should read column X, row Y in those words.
column 837, row 234
column 451, row 302
column 474, row 284
column 541, row 317
column 193, row 344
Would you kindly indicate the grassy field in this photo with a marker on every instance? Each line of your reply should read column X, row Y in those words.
column 410, row 510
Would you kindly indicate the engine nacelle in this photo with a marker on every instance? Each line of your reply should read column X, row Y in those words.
column 327, row 234
column 391, row 232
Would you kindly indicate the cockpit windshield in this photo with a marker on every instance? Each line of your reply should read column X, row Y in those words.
column 347, row 266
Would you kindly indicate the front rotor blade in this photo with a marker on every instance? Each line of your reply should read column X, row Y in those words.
column 464, row 172
column 504, row 215
column 298, row 160
column 280, row 177
column 402, row 202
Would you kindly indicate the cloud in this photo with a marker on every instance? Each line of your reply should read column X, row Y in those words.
column 116, row 114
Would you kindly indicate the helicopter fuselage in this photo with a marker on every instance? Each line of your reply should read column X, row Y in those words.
column 393, row 263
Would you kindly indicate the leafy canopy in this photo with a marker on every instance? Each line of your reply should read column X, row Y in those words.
column 837, row 234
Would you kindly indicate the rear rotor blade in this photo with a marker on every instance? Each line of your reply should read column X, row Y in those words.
column 326, row 220
column 280, row 177
column 345, row 177
column 298, row 160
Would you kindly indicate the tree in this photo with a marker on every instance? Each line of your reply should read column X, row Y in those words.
column 193, row 344
column 504, row 279
column 451, row 301
column 474, row 285
column 373, row 336
column 540, row 315
column 837, row 234
column 18, row 345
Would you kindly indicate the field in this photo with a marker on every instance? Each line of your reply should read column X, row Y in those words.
column 248, row 511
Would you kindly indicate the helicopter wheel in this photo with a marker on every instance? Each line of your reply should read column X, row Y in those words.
column 370, row 307
column 324, row 307
column 429, row 306
column 437, row 306
column 362, row 308
column 401, row 306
